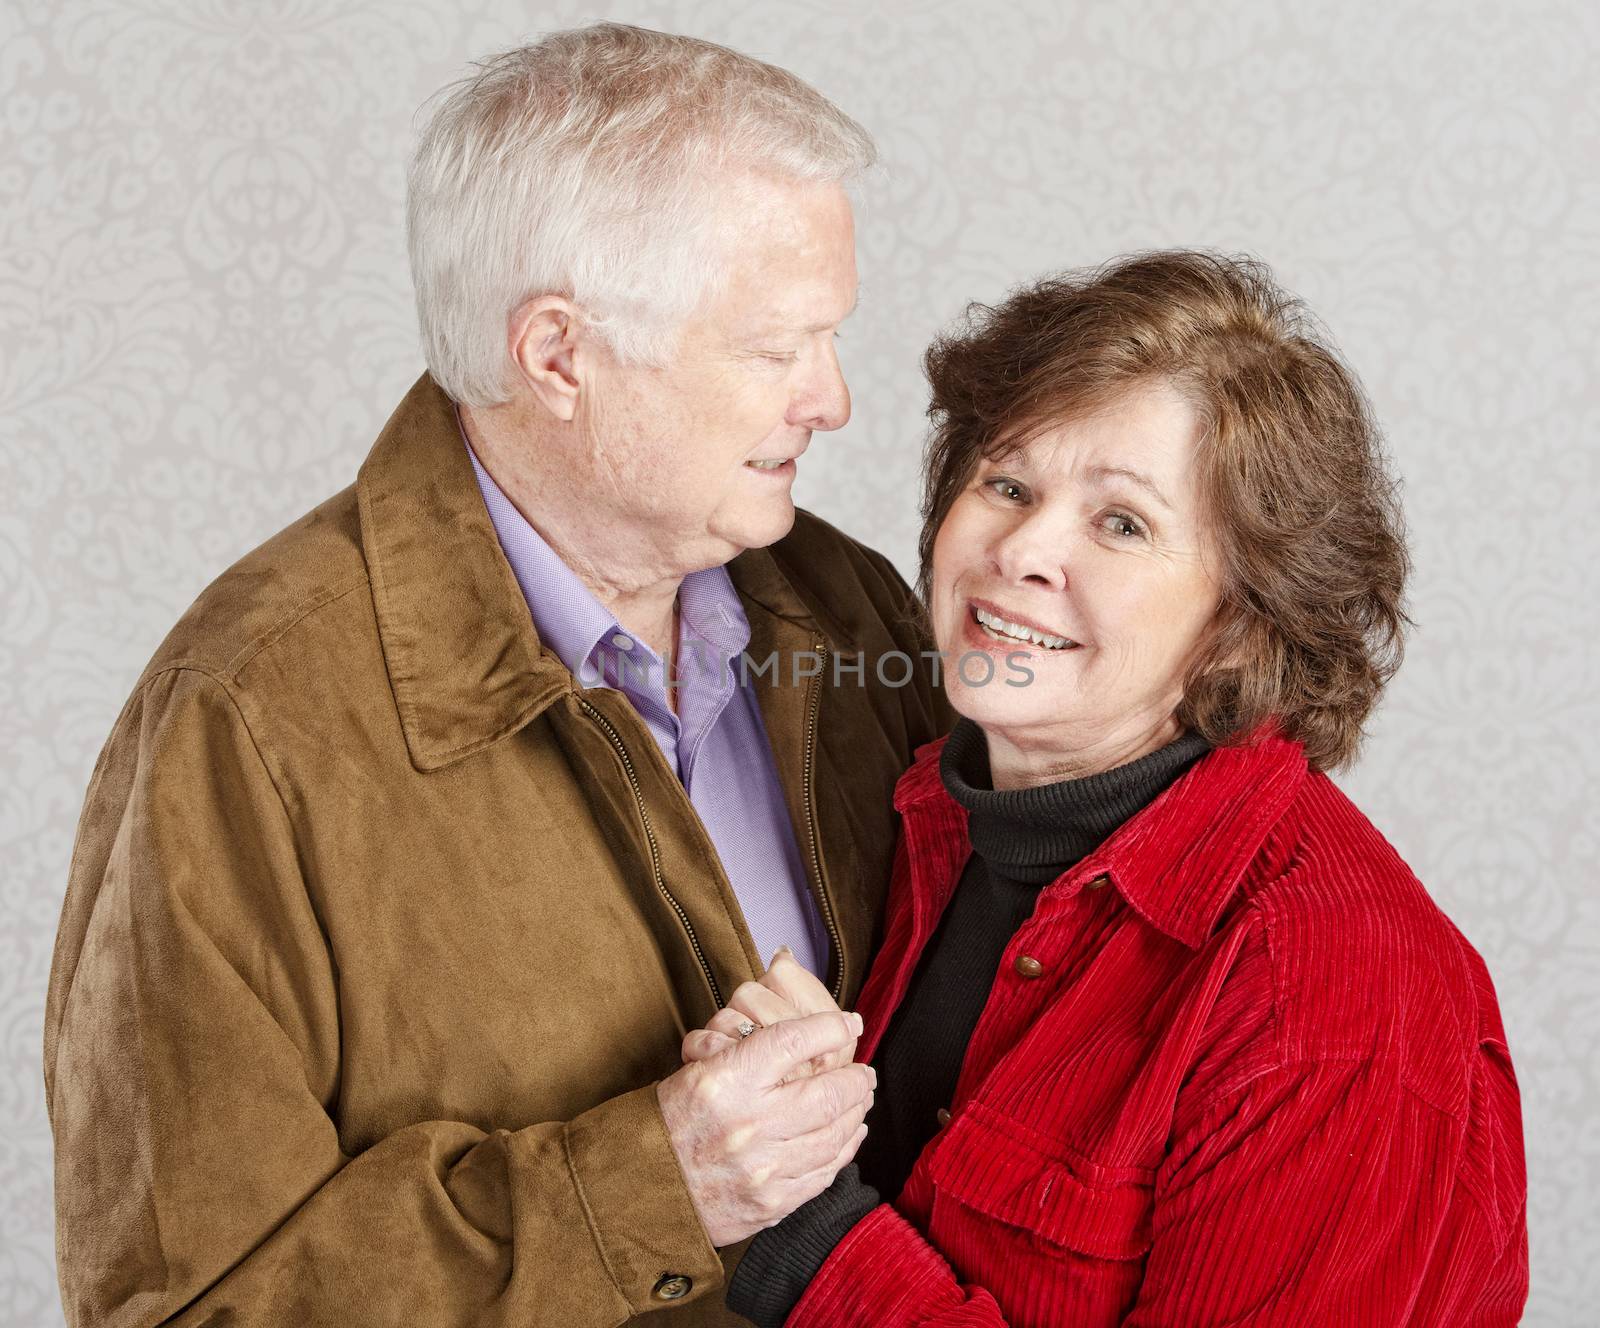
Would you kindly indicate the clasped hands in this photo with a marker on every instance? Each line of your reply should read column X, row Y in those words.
column 762, row 1123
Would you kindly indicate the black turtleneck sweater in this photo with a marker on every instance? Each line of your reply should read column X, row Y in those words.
column 1022, row 839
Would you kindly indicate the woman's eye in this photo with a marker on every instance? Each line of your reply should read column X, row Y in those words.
column 1126, row 527
column 780, row 357
column 1005, row 488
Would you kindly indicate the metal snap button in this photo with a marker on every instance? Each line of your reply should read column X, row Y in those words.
column 942, row 1116
column 1028, row 967
column 1099, row 883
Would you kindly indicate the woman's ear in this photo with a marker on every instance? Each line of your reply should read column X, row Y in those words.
column 544, row 336
column 1228, row 631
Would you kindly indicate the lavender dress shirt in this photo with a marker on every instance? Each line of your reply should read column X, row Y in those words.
column 716, row 742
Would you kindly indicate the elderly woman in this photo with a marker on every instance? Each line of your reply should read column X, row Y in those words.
column 1165, row 1031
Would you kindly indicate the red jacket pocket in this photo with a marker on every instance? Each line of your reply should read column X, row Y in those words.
column 998, row 1169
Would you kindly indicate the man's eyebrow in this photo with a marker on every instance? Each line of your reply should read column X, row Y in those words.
column 1133, row 477
column 780, row 328
column 823, row 327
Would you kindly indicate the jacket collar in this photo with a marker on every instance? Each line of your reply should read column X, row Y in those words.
column 763, row 578
column 464, row 659
column 1178, row 861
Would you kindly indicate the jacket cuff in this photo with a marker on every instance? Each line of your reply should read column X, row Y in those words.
column 637, row 1202
column 882, row 1274
column 782, row 1260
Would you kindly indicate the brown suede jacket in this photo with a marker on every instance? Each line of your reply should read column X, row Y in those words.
column 381, row 929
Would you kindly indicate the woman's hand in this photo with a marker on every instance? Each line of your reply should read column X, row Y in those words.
column 755, row 1134
column 788, row 990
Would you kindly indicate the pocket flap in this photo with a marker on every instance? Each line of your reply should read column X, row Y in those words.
column 992, row 1165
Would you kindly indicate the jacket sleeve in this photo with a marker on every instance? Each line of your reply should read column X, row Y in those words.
column 1287, row 1205
column 192, row 1077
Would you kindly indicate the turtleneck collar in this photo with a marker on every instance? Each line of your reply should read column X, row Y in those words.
column 1032, row 835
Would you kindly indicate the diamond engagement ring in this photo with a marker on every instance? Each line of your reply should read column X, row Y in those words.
column 746, row 1028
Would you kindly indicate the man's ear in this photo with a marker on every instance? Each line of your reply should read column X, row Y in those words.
column 543, row 336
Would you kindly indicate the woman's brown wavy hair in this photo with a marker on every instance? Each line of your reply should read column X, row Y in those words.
column 1293, row 480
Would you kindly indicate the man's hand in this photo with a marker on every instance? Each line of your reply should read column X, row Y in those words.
column 755, row 1138
column 788, row 990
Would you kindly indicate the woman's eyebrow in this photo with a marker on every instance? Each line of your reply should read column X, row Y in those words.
column 1144, row 482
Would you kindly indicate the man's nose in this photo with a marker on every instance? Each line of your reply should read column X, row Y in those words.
column 825, row 401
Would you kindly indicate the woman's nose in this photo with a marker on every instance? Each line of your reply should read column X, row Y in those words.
column 1029, row 553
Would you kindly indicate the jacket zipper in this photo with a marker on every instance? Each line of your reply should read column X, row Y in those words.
column 655, row 854
column 814, row 704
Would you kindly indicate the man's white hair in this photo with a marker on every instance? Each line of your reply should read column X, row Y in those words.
column 591, row 165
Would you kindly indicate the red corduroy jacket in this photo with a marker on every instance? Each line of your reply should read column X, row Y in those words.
column 1237, row 1068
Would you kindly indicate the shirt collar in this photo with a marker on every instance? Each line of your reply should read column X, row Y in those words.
column 1178, row 861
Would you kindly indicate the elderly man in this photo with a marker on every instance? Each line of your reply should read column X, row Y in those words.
column 440, row 817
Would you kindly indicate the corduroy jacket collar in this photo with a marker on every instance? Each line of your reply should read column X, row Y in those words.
column 1178, row 860
column 464, row 659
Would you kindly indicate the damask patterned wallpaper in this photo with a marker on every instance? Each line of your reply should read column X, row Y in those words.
column 205, row 317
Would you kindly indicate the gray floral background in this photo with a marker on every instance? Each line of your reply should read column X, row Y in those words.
column 205, row 317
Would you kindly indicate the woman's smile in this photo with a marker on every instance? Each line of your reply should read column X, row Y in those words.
column 991, row 629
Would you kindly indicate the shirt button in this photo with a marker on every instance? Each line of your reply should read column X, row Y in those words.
column 1028, row 967
column 674, row 1286
column 1099, row 882
column 942, row 1116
